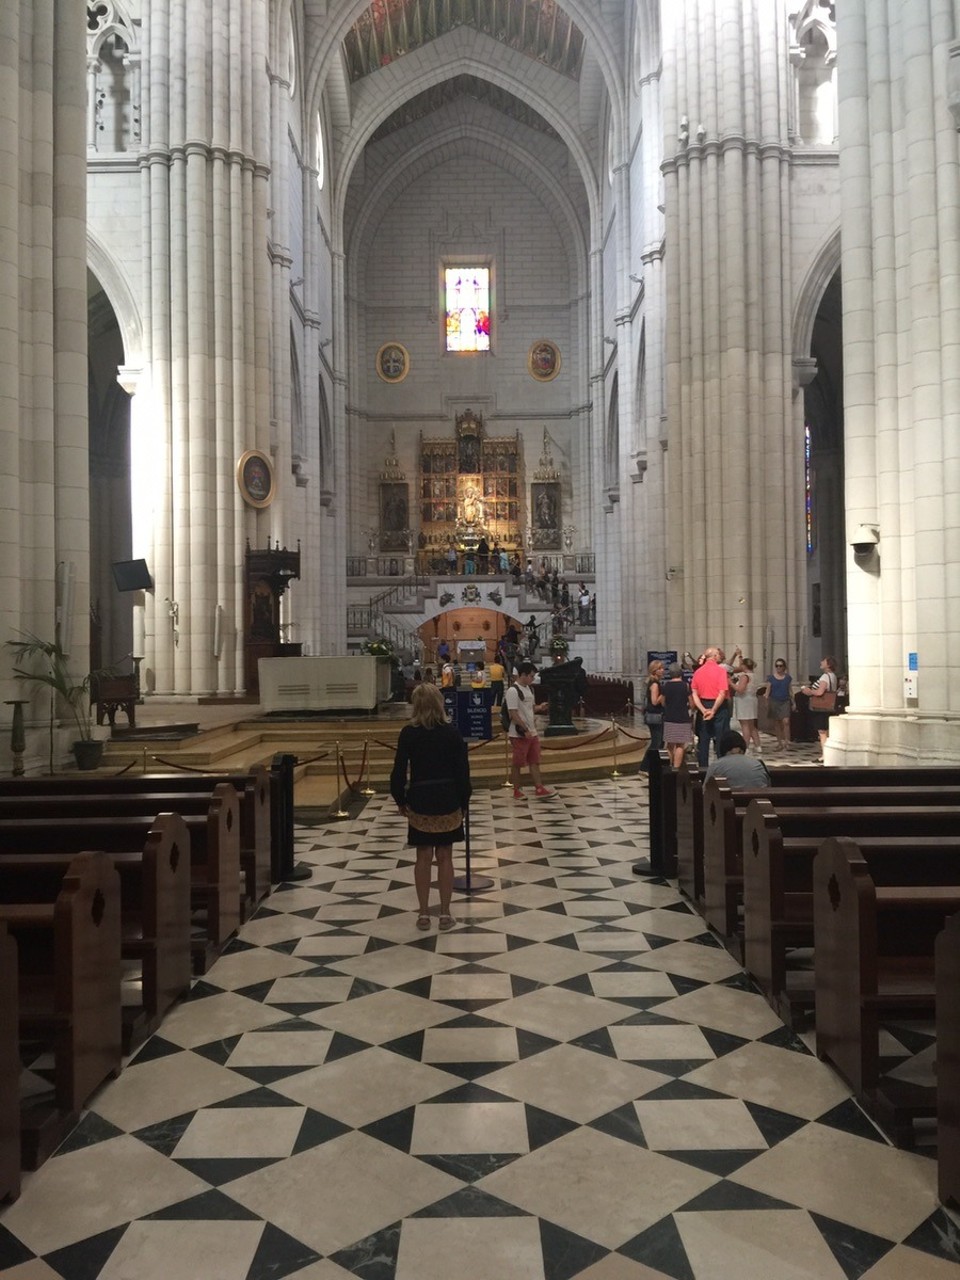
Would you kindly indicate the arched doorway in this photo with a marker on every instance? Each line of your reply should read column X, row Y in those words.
column 111, row 613
column 826, row 549
column 478, row 629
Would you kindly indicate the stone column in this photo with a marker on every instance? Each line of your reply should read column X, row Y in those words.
column 332, row 620
column 900, row 188
column 44, row 519
column 207, row 301
column 735, row 483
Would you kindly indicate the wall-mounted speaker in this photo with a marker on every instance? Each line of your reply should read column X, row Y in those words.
column 132, row 575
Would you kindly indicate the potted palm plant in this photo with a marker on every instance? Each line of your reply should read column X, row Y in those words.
column 48, row 667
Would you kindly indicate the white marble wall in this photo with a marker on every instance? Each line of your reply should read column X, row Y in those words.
column 900, row 174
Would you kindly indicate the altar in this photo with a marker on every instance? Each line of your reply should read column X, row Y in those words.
column 471, row 650
column 324, row 684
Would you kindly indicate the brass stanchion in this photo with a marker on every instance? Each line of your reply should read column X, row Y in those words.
column 367, row 790
column 338, row 812
column 616, row 772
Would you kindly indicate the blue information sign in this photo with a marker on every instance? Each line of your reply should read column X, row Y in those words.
column 912, row 663
column 470, row 711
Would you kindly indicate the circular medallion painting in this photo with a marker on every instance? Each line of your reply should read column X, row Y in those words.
column 543, row 360
column 255, row 478
column 393, row 362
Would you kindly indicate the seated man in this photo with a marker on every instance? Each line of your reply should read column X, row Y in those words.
column 735, row 767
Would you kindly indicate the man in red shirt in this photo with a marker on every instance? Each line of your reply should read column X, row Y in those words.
column 709, row 691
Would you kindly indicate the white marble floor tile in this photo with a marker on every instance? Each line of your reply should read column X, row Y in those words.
column 341, row 1192
column 593, row 1203
column 365, row 1086
column 159, row 1250
column 483, row 1248
column 850, row 1179
column 66, row 1201
column 571, row 1082
column 793, row 1082
column 474, row 1127
column 698, row 1124
column 239, row 1132
column 148, row 1092
column 757, row 1245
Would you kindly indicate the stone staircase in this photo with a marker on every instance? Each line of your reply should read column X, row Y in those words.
column 238, row 744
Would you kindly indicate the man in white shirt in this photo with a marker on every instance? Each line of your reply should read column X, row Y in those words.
column 524, row 740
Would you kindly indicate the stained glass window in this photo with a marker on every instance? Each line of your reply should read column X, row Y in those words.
column 467, row 308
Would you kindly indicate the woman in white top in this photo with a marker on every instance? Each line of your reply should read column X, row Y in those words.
column 744, row 684
column 826, row 684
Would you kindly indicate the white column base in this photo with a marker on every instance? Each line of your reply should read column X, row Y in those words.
column 892, row 738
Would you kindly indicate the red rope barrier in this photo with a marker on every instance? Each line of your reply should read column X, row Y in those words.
column 172, row 764
column 627, row 734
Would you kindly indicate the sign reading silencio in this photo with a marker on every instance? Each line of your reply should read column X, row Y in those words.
column 469, row 712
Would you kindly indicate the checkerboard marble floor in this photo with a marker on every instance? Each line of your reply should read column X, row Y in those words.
column 576, row 1081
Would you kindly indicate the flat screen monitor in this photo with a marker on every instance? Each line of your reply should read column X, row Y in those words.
column 132, row 575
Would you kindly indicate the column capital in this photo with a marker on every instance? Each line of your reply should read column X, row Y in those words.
column 129, row 378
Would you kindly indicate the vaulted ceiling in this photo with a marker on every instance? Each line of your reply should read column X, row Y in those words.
column 463, row 86
column 388, row 29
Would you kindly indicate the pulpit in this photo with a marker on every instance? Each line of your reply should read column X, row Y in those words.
column 268, row 574
column 565, row 683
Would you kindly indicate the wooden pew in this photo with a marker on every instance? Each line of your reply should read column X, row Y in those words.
column 689, row 825
column 69, row 989
column 947, row 966
column 9, row 1069
column 723, row 836
column 155, row 915
column 256, row 835
column 778, row 898
column 214, row 855
column 874, row 955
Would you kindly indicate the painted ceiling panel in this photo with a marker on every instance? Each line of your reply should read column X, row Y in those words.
column 388, row 29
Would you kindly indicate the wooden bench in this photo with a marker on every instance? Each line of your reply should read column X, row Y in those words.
column 778, row 899
column 874, row 955
column 69, row 992
column 163, row 791
column 154, row 916
column 214, row 856
column 723, row 835
column 9, row 1069
column 947, row 969
column 689, row 793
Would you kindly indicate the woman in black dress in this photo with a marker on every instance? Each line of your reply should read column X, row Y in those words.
column 430, row 783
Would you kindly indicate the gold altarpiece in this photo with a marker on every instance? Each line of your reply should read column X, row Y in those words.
column 471, row 487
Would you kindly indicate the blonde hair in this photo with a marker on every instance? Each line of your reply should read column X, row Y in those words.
column 427, row 707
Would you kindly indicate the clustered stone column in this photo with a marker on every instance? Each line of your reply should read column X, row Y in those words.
column 207, row 299
column 43, row 330
column 900, row 185
column 735, row 455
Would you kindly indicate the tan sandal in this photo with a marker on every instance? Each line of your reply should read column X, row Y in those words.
column 423, row 923
column 445, row 923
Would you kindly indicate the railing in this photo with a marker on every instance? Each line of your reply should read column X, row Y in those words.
column 414, row 583
column 435, row 565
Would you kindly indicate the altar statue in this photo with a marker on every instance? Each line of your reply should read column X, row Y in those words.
column 472, row 505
